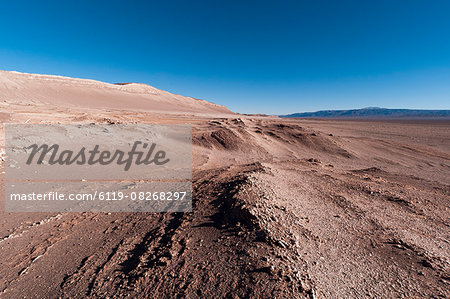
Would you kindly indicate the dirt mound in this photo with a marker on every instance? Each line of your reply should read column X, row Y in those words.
column 223, row 139
column 297, row 135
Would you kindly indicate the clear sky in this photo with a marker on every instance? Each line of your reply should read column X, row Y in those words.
column 271, row 57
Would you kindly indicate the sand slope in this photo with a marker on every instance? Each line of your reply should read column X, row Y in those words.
column 25, row 89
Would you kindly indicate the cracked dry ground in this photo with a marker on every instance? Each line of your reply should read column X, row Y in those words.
column 281, row 209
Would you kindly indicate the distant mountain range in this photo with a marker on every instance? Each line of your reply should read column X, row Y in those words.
column 373, row 112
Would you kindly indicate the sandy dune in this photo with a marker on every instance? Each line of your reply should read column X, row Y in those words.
column 282, row 208
column 63, row 92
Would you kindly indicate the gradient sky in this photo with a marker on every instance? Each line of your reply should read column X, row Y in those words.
column 271, row 57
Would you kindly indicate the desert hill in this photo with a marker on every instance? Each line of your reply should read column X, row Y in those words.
column 65, row 92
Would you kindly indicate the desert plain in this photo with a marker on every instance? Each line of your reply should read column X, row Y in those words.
column 282, row 208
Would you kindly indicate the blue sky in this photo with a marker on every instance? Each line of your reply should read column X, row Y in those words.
column 269, row 57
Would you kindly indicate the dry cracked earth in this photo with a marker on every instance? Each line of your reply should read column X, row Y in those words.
column 282, row 208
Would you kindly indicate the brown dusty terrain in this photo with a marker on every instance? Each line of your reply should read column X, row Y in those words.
column 282, row 208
